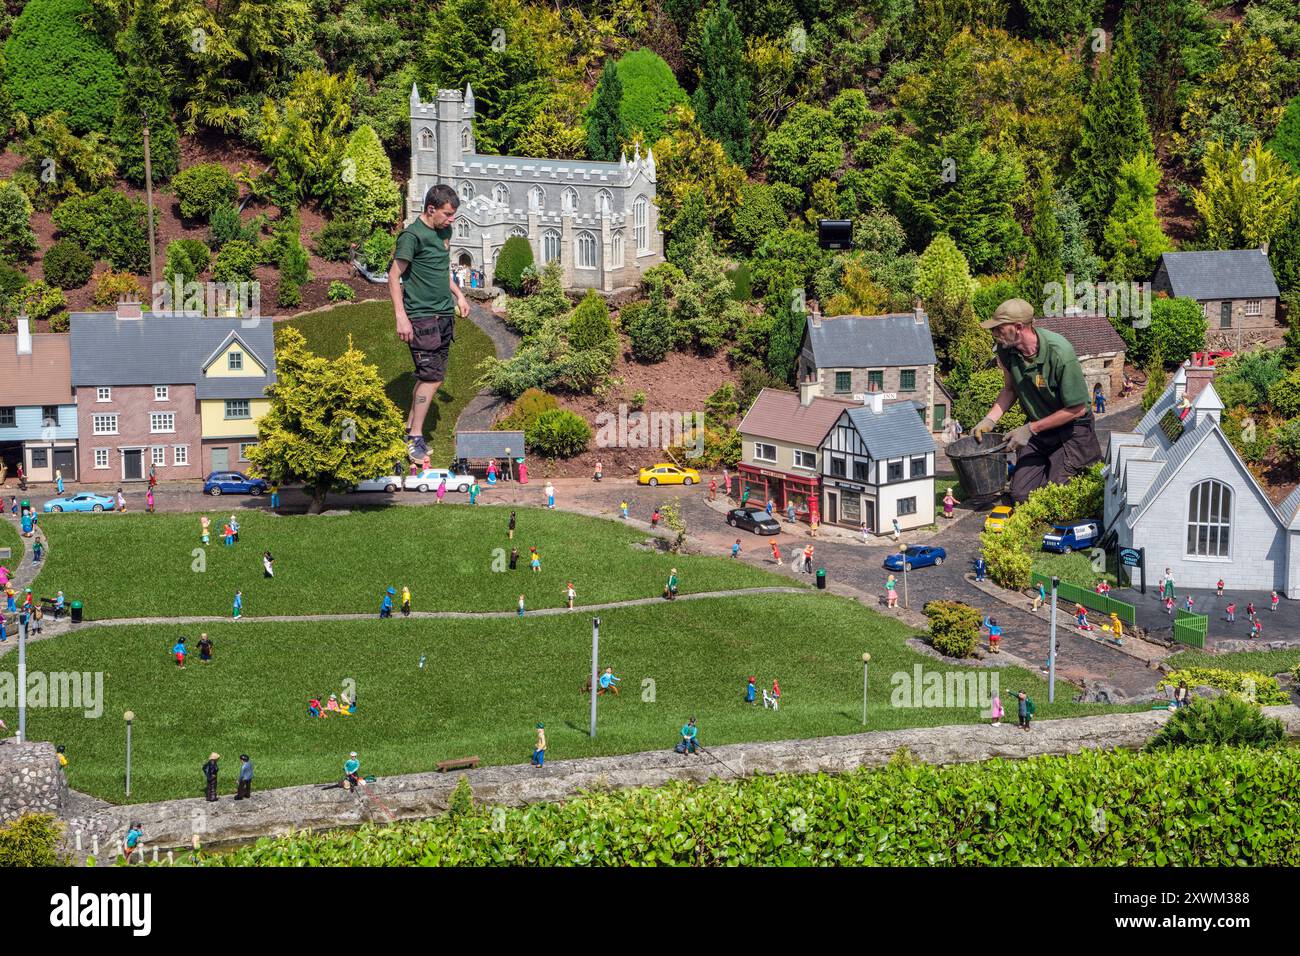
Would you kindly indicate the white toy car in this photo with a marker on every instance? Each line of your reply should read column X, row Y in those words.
column 389, row 483
column 428, row 480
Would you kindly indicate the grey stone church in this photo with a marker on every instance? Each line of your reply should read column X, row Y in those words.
column 598, row 219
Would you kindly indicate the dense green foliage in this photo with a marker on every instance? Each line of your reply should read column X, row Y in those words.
column 559, row 433
column 32, row 840
column 1223, row 722
column 954, row 627
column 203, row 189
column 66, row 265
column 17, row 238
column 516, row 256
column 1008, row 553
column 108, row 225
column 187, row 258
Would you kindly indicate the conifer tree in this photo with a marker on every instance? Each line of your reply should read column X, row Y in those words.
column 1045, row 246
column 605, row 130
column 144, row 90
column 1133, row 240
column 721, row 100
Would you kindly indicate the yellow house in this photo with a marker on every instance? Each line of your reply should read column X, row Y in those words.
column 232, row 396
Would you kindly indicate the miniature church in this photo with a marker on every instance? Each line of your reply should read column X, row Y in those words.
column 598, row 219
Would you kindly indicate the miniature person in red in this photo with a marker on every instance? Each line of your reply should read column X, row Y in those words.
column 1219, row 591
column 776, row 552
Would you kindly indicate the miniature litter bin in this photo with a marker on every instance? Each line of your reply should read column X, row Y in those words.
column 76, row 612
column 821, row 579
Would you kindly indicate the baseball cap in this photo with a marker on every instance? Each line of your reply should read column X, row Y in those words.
column 1012, row 310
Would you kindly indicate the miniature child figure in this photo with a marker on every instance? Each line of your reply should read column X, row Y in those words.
column 228, row 534
column 608, row 682
column 980, row 567
column 1250, row 610
column 37, row 548
column 776, row 553
column 654, row 519
column 995, row 713
column 1103, row 587
column 332, row 705
column 148, row 501
column 267, row 561
column 441, row 492
column 514, row 559
column 535, row 561
column 1168, row 589
column 570, row 594
column 1272, row 601
column 314, row 708
column 386, row 605
column 521, row 606
column 549, row 491
column 492, row 472
column 205, row 649
column 539, row 749
column 1081, row 618
column 1169, row 605
column 510, row 528
column 1232, row 611
column 769, row 507
column 474, row 492
column 406, row 601
column 813, row 524
column 789, row 512
column 808, row 559
column 1022, row 710
column 713, row 489
column 275, row 497
column 623, row 508
column 891, row 593
column 237, row 610
column 1040, row 597
column 121, row 501
column 735, row 548
column 179, row 651
column 670, row 589
column 234, row 526
column 1256, row 628
column 1219, row 590
column 204, row 523
column 751, row 691
column 948, row 502
column 865, row 532
column 1190, row 602
column 600, row 469
column 995, row 635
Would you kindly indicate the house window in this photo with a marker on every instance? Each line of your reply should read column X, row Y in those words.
column 536, row 198
column 243, row 449
column 1206, row 310
column 907, row 380
column 895, row 472
column 235, row 361
column 464, row 141
column 862, row 471
column 158, row 456
column 160, row 393
column 843, row 381
column 518, row 232
column 586, row 251
column 49, row 416
column 462, row 229
column 805, row 459
column 1107, row 363
column 603, row 202
column 426, row 138
column 876, row 381
column 101, row 457
column 1225, row 315
column 764, row 452
column 501, row 193
column 1209, row 512
column 641, row 224
column 162, row 422
column 618, row 250
column 1253, row 307
column 103, row 394
column 550, row 245
column 237, row 408
column 466, row 191
column 906, row 506
column 569, row 200
column 103, row 424
column 8, row 417
column 838, row 467
column 181, row 455
column 40, row 458
column 918, row 467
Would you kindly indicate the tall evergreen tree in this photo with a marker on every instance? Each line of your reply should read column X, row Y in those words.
column 605, row 129
column 1114, row 129
column 721, row 100
column 1045, row 245
column 144, row 90
column 1133, row 239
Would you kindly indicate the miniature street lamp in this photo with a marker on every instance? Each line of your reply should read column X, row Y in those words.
column 128, row 717
column 866, row 658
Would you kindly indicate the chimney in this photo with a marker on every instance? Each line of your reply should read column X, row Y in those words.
column 876, row 402
column 918, row 313
column 806, row 393
column 1197, row 378
column 1263, row 247
column 815, row 318
column 24, row 335
column 129, row 310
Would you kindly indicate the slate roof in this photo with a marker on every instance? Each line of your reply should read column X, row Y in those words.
column 779, row 416
column 42, row 378
column 1290, row 505
column 1089, row 334
column 489, row 444
column 895, row 433
column 166, row 350
column 1226, row 274
column 871, row 341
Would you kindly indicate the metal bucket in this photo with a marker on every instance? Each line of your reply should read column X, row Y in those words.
column 981, row 466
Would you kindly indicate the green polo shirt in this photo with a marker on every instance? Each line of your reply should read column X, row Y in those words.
column 1048, row 381
column 426, row 285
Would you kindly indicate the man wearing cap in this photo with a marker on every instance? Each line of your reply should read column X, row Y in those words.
column 351, row 772
column 210, row 773
column 244, row 789
column 1041, row 371
column 426, row 300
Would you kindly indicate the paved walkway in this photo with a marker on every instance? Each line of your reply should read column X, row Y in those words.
column 482, row 409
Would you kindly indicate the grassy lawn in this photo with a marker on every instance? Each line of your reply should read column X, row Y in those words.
column 9, row 538
column 141, row 565
column 1263, row 662
column 1076, row 568
column 484, row 687
column 370, row 324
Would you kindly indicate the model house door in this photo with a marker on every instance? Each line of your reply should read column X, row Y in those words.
column 221, row 459
column 65, row 461
column 832, row 507
column 131, row 464
column 869, row 515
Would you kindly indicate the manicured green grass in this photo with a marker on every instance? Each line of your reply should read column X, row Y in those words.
column 485, row 685
column 9, row 538
column 1076, row 568
column 142, row 565
column 1263, row 662
column 371, row 326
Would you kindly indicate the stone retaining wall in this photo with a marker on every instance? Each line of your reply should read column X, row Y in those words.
column 31, row 780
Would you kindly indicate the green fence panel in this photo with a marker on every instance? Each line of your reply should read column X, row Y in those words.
column 1090, row 599
column 1190, row 628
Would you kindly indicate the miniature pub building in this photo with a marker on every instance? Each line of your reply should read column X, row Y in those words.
column 1177, row 487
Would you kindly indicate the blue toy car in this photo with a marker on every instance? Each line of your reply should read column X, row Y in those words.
column 1071, row 536
column 81, row 502
column 918, row 556
column 233, row 483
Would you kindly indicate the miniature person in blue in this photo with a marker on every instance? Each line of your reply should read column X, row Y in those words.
column 980, row 568
column 690, row 733
column 751, row 692
column 386, row 608
column 608, row 682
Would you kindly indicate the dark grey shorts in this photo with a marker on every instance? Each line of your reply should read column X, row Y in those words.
column 430, row 344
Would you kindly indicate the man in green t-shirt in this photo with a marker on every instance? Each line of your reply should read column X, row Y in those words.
column 426, row 301
column 1041, row 371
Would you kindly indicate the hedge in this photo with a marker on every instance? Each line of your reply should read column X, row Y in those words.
column 1009, row 554
column 1266, row 691
column 1186, row 807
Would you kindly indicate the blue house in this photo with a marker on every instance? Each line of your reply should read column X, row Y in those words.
column 38, row 414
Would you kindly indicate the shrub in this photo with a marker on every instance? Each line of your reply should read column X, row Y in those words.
column 1287, row 438
column 235, row 262
column 1284, row 395
column 59, row 322
column 753, row 379
column 40, row 300
column 187, row 258
column 67, row 265
column 559, row 433
column 516, row 255
column 462, row 798
column 954, row 627
column 289, row 294
column 108, row 225
column 528, row 406
column 337, row 237
column 112, row 286
column 1225, row 721
column 1008, row 555
column 975, row 396
column 32, row 840
column 651, row 330
column 638, row 400
column 17, row 238
column 340, row 292
column 11, row 282
column 378, row 250
column 369, row 193
column 204, row 189
column 80, row 164
column 1250, row 686
column 55, row 62
column 226, row 225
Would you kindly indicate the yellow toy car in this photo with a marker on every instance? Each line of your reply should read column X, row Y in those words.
column 667, row 475
column 997, row 518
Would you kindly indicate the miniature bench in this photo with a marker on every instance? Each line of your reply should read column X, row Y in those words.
column 6, row 553
column 462, row 763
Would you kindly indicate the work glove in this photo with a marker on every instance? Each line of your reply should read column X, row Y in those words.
column 983, row 428
column 1019, row 438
